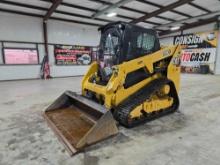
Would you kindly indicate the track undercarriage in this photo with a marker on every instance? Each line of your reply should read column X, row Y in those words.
column 144, row 99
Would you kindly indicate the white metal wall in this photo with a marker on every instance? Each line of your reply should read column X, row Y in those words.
column 23, row 28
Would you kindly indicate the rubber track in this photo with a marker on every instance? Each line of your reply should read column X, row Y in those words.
column 123, row 110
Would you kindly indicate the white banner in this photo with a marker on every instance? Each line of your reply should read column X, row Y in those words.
column 193, row 57
column 197, row 57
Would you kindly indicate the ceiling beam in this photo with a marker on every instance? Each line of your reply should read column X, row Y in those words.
column 75, row 21
column 53, row 18
column 52, row 9
column 78, row 7
column 199, row 7
column 129, row 9
column 20, row 13
column 94, row 10
column 129, row 18
column 22, row 5
column 124, row 8
column 121, row 7
column 161, row 6
column 73, row 6
column 70, row 14
column 182, row 21
column 111, row 7
column 45, row 9
column 143, row 12
column 161, row 10
column 191, row 25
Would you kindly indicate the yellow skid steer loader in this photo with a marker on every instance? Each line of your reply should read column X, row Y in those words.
column 133, row 81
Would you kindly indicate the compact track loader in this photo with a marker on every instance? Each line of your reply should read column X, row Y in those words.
column 133, row 81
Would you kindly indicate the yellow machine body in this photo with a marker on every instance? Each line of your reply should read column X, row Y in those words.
column 114, row 92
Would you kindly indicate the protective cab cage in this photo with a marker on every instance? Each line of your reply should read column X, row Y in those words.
column 134, row 41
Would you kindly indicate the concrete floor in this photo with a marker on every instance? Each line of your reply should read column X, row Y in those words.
column 191, row 136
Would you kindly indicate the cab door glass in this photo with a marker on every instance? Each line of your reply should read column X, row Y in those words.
column 148, row 42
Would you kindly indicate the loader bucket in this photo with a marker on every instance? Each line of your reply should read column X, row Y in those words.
column 79, row 122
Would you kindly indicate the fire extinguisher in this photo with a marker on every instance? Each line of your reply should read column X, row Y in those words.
column 45, row 68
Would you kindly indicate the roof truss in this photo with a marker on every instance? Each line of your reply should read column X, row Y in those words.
column 121, row 4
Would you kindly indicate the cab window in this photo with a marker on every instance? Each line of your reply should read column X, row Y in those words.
column 146, row 42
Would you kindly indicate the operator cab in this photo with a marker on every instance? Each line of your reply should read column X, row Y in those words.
column 121, row 42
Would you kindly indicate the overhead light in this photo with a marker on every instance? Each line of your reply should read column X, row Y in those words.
column 111, row 14
column 175, row 28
